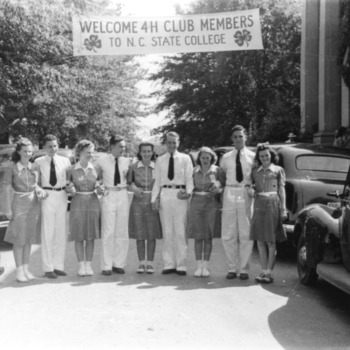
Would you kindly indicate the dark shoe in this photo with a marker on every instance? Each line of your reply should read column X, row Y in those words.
column 231, row 275
column 50, row 274
column 107, row 272
column 243, row 276
column 267, row 279
column 59, row 273
column 181, row 273
column 168, row 271
column 2, row 270
column 118, row 270
column 259, row 278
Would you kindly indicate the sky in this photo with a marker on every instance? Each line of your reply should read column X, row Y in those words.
column 150, row 8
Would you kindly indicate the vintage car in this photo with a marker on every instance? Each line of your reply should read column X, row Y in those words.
column 311, row 170
column 324, row 242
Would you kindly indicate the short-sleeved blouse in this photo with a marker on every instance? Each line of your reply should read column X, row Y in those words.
column 270, row 179
column 142, row 176
column 202, row 182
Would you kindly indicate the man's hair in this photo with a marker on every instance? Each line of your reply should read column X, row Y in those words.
column 173, row 134
column 114, row 140
column 48, row 138
column 239, row 128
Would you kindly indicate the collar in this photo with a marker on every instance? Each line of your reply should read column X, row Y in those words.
column 242, row 150
column 141, row 165
column 174, row 154
column 271, row 167
column 78, row 166
column 20, row 166
column 199, row 168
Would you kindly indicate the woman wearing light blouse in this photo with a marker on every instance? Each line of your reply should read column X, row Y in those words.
column 144, row 222
column 204, row 215
column 24, row 226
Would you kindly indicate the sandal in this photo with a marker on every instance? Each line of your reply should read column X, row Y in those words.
column 260, row 277
column 267, row 279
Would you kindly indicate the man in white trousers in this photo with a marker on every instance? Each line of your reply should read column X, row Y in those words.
column 171, row 190
column 53, row 170
column 114, row 208
column 236, row 211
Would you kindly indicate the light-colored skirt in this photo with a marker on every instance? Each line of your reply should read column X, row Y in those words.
column 266, row 223
column 144, row 222
column 85, row 217
column 24, row 226
column 204, row 220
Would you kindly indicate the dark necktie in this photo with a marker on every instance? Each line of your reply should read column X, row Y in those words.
column 239, row 172
column 116, row 173
column 53, row 177
column 171, row 168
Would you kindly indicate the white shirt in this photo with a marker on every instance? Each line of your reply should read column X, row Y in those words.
column 183, row 171
column 62, row 164
column 105, row 168
column 228, row 164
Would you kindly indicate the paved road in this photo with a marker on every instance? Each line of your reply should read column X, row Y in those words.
column 169, row 312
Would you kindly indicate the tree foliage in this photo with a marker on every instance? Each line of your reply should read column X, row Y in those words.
column 44, row 88
column 206, row 94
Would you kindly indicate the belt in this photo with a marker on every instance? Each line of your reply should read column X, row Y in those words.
column 116, row 188
column 84, row 192
column 238, row 186
column 22, row 194
column 201, row 193
column 174, row 186
column 54, row 189
column 267, row 194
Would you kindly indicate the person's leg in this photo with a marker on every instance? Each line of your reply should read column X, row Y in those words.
column 26, row 256
column 108, row 215
column 89, row 252
column 262, row 249
column 141, row 253
column 79, row 251
column 151, row 248
column 18, row 255
column 121, row 230
column 272, row 256
column 208, row 245
column 198, row 250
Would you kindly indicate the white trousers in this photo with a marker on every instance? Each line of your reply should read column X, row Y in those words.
column 236, row 216
column 114, row 230
column 53, row 230
column 173, row 217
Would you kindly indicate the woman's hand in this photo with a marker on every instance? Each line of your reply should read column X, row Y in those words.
column 138, row 193
column 214, row 189
column 156, row 204
column 284, row 214
column 70, row 189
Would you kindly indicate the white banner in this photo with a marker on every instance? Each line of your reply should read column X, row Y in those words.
column 227, row 31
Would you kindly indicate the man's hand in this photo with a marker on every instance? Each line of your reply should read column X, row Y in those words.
column 214, row 188
column 182, row 194
column 156, row 205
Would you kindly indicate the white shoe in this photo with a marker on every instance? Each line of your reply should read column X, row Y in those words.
column 198, row 272
column 20, row 276
column 205, row 272
column 28, row 274
column 89, row 271
column 82, row 269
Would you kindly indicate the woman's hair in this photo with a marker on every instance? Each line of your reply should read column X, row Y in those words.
column 273, row 153
column 81, row 145
column 145, row 144
column 213, row 156
column 22, row 142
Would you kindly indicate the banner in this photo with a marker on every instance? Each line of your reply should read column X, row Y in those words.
column 227, row 31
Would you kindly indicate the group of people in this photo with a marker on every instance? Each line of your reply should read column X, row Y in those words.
column 241, row 200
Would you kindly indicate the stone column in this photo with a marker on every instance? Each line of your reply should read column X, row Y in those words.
column 309, row 66
column 329, row 98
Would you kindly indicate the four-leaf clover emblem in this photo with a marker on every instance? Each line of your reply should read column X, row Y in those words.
column 93, row 42
column 242, row 37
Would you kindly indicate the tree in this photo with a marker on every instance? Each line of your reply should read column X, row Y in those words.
column 44, row 88
column 206, row 94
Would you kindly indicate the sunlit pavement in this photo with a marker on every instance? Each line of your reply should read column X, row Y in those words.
column 168, row 312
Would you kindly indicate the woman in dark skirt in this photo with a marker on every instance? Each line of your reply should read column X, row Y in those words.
column 204, row 215
column 269, row 209
column 24, row 227
column 84, row 223
column 144, row 222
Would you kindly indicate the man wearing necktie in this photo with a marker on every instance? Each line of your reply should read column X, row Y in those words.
column 236, row 211
column 172, row 188
column 113, row 169
column 53, row 170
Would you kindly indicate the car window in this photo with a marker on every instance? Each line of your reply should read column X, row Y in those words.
column 323, row 163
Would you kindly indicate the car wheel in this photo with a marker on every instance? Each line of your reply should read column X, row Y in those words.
column 307, row 273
